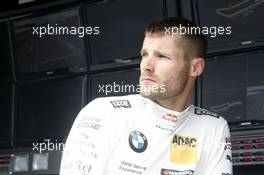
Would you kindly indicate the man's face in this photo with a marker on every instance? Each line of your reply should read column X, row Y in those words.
column 164, row 72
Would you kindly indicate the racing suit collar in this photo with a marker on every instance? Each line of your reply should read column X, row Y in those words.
column 165, row 113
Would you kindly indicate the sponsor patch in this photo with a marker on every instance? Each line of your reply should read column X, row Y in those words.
column 175, row 172
column 138, row 141
column 199, row 111
column 183, row 150
column 229, row 158
column 91, row 125
column 120, row 104
column 170, row 117
column 228, row 144
column 131, row 167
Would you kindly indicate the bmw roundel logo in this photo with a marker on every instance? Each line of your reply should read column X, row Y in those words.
column 138, row 141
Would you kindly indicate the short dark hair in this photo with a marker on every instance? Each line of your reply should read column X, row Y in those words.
column 196, row 42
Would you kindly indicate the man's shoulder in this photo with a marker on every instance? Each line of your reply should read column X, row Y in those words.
column 208, row 122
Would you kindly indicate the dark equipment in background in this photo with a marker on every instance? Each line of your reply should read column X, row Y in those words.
column 49, row 55
column 122, row 26
column 6, row 70
column 45, row 108
column 233, row 86
column 242, row 16
column 46, row 81
column 6, row 103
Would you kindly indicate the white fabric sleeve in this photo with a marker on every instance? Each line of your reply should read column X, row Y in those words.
column 218, row 156
column 88, row 146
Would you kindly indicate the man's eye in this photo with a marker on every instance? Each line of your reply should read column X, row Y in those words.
column 164, row 57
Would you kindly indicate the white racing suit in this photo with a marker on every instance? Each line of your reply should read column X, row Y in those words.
column 132, row 135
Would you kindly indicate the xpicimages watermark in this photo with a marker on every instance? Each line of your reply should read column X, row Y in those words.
column 212, row 31
column 65, row 30
column 107, row 89
column 48, row 145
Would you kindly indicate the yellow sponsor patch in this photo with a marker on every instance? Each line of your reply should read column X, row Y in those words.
column 183, row 150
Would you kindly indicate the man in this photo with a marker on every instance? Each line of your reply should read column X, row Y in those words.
column 158, row 131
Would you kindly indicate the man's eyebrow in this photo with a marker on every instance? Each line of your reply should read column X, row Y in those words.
column 163, row 52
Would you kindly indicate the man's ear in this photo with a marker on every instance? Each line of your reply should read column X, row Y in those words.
column 197, row 67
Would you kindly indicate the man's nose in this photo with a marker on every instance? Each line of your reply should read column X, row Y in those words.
column 147, row 64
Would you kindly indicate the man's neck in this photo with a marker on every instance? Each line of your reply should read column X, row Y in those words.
column 175, row 103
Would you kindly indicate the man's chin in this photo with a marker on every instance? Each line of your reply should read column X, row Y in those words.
column 151, row 96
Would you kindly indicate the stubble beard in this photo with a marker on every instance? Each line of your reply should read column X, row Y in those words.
column 172, row 87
